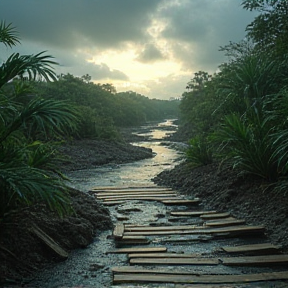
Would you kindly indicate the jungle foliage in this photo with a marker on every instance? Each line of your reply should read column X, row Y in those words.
column 241, row 111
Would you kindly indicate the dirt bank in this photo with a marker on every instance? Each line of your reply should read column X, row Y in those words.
column 246, row 197
column 22, row 252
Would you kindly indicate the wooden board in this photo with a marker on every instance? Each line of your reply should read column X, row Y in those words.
column 118, row 231
column 47, row 240
column 144, row 198
column 191, row 213
column 234, row 230
column 120, row 197
column 162, row 255
column 266, row 260
column 148, row 250
column 161, row 228
column 127, row 189
column 133, row 240
column 197, row 279
column 257, row 248
column 100, row 194
column 175, row 261
column 215, row 216
column 181, row 202
column 224, row 223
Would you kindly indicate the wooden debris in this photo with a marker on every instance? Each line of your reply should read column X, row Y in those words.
column 252, row 248
column 229, row 231
column 144, row 198
column 101, row 194
column 215, row 216
column 136, row 196
column 224, row 223
column 181, row 202
column 175, row 261
column 139, row 250
column 133, row 240
column 162, row 255
column 161, row 228
column 47, row 240
column 127, row 189
column 191, row 213
column 266, row 260
column 118, row 231
column 197, row 279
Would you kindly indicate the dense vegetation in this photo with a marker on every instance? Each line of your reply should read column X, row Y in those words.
column 240, row 113
column 38, row 110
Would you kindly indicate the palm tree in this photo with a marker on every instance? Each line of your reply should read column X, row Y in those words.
column 27, row 166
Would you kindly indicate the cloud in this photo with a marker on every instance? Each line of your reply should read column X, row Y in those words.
column 150, row 54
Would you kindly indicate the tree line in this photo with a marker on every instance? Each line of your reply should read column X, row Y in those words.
column 239, row 114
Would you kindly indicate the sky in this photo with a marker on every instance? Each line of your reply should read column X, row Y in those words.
column 152, row 47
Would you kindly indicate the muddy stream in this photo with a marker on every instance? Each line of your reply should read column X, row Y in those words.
column 91, row 267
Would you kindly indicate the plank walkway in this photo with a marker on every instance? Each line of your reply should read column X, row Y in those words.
column 146, row 264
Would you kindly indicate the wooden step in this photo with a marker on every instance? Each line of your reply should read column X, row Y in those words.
column 175, row 261
column 132, row 196
column 234, row 230
column 191, row 213
column 101, row 194
column 148, row 250
column 215, row 216
column 181, row 202
column 162, row 255
column 266, row 260
column 144, row 198
column 197, row 279
column 224, row 223
column 252, row 248
column 128, row 189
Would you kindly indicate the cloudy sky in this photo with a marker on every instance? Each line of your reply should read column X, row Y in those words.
column 152, row 47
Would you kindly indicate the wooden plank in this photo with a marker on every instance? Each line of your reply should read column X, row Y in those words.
column 236, row 230
column 144, row 198
column 181, row 202
column 191, row 213
column 107, row 195
column 224, row 223
column 175, row 261
column 215, row 216
column 161, row 228
column 133, row 240
column 128, row 189
column 266, row 260
column 197, row 279
column 118, row 231
column 148, row 250
column 256, row 248
column 119, row 197
column 48, row 241
column 162, row 255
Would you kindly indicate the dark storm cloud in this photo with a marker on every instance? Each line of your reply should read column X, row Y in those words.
column 74, row 23
column 150, row 54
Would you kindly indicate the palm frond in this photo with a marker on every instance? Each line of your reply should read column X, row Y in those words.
column 8, row 34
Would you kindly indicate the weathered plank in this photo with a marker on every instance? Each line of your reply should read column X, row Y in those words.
column 256, row 248
column 133, row 240
column 119, row 197
column 191, row 213
column 175, row 261
column 266, row 260
column 128, row 189
column 148, row 250
column 161, row 228
column 224, row 223
column 144, row 198
column 215, row 216
column 118, row 231
column 162, row 255
column 148, row 193
column 234, row 230
column 181, row 201
column 47, row 240
column 197, row 279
